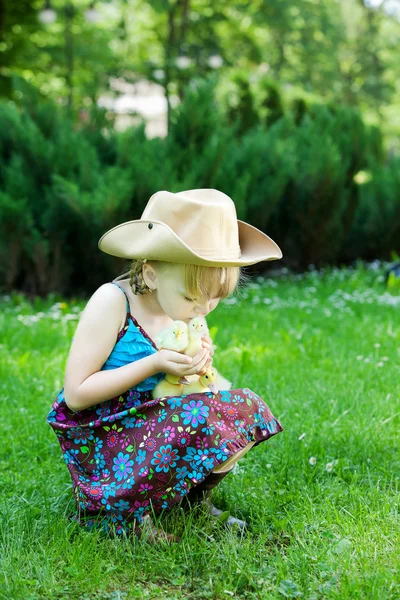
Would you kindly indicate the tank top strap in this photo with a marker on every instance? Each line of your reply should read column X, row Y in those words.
column 128, row 309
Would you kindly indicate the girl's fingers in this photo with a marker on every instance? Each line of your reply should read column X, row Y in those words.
column 198, row 367
column 197, row 358
column 205, row 368
column 208, row 343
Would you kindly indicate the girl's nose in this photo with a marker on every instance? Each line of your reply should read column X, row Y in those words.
column 203, row 309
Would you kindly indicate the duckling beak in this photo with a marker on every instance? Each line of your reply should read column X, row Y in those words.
column 213, row 388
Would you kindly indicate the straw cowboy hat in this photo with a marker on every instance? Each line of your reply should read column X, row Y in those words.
column 194, row 226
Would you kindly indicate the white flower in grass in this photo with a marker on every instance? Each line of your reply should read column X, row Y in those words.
column 385, row 358
column 329, row 466
column 360, row 357
column 377, row 345
column 268, row 465
column 380, row 364
column 367, row 360
column 312, row 460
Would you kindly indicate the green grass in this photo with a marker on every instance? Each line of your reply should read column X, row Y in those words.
column 302, row 343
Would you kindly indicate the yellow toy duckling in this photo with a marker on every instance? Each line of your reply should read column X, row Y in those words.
column 205, row 383
column 185, row 339
column 169, row 386
column 174, row 337
column 196, row 328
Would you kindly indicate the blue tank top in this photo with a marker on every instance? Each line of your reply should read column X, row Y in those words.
column 133, row 343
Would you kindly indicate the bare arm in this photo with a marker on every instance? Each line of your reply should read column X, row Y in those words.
column 104, row 385
column 85, row 384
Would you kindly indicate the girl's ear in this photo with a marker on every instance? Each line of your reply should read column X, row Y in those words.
column 149, row 276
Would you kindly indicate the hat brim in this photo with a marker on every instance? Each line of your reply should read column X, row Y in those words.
column 132, row 240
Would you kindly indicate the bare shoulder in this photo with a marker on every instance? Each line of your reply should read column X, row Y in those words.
column 95, row 335
column 107, row 302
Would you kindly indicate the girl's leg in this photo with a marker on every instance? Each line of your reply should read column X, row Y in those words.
column 228, row 464
column 202, row 492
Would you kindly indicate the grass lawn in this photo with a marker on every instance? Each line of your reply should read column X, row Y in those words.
column 321, row 497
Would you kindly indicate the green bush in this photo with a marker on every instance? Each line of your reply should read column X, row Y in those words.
column 292, row 174
column 376, row 228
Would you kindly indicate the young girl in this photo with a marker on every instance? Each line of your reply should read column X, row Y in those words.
column 130, row 455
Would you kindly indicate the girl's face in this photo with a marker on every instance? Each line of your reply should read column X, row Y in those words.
column 172, row 297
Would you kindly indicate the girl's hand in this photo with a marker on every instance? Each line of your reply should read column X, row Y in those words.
column 169, row 361
column 208, row 344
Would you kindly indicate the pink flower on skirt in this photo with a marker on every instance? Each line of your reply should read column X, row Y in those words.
column 230, row 412
column 169, row 434
column 112, row 439
column 150, row 444
column 144, row 488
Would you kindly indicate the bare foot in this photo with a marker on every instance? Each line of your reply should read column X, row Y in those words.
column 148, row 532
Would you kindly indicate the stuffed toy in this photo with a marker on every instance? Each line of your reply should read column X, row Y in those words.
column 187, row 340
column 174, row 337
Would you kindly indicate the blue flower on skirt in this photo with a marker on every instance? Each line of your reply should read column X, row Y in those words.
column 239, row 424
column 105, row 503
column 83, row 479
column 98, row 443
column 196, row 475
column 138, row 513
column 162, row 416
column 128, row 422
column 190, row 453
column 116, row 517
column 195, row 412
column 220, row 453
column 99, row 460
column 103, row 411
column 209, row 429
column 258, row 418
column 200, row 456
column 80, row 435
column 174, row 402
column 122, row 466
column 122, row 505
column 69, row 455
column 225, row 396
column 110, row 489
column 164, row 458
column 128, row 484
column 51, row 416
column 141, row 455
column 209, row 463
column 237, row 398
column 181, row 488
column 181, row 472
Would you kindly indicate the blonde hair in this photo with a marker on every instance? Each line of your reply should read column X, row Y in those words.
column 200, row 281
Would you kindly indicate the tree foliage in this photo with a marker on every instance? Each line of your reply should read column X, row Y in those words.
column 340, row 50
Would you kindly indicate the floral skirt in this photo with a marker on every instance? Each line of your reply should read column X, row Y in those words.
column 130, row 455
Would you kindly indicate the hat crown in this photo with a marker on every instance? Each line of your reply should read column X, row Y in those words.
column 197, row 227
column 204, row 219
